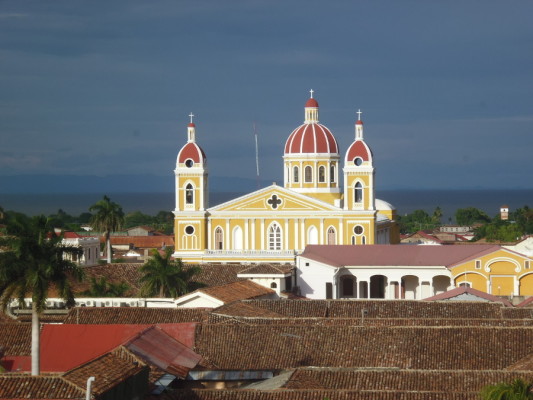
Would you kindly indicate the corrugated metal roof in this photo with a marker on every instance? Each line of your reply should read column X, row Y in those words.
column 158, row 348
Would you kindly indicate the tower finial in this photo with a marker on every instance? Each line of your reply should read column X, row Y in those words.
column 311, row 91
column 359, row 112
column 191, row 115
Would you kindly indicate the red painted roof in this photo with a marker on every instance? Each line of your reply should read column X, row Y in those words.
column 71, row 235
column 191, row 151
column 191, row 125
column 358, row 149
column 311, row 138
column 359, row 122
column 64, row 347
column 311, row 103
column 395, row 255
column 527, row 302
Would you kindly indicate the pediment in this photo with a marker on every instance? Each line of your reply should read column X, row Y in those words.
column 274, row 198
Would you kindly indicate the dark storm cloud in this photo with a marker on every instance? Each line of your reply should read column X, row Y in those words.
column 107, row 86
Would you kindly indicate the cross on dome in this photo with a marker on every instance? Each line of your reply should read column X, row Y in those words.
column 359, row 112
column 191, row 115
column 311, row 91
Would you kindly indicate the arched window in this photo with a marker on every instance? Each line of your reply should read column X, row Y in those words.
column 237, row 238
column 274, row 237
column 189, row 194
column 332, row 173
column 295, row 176
column 219, row 238
column 273, row 285
column 332, row 239
column 358, row 193
column 312, row 235
column 308, row 174
column 322, row 174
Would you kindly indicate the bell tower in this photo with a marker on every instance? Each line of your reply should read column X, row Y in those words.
column 359, row 173
column 191, row 177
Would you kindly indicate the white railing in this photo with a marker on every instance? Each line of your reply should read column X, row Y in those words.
column 250, row 253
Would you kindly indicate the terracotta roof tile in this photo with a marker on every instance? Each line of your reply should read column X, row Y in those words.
column 237, row 291
column 134, row 315
column 450, row 294
column 271, row 269
column 23, row 386
column 15, row 339
column 290, row 346
column 109, row 370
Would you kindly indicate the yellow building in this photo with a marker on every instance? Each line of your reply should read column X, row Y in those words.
column 318, row 204
column 498, row 271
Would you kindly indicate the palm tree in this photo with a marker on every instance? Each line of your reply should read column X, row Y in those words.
column 517, row 390
column 109, row 217
column 165, row 277
column 32, row 262
column 102, row 288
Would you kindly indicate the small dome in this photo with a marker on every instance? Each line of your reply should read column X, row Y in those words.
column 191, row 151
column 191, row 125
column 311, row 103
column 358, row 149
column 384, row 206
column 311, row 138
column 359, row 122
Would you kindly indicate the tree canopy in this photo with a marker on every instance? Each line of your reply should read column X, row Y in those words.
column 470, row 215
column 108, row 217
column 33, row 261
column 166, row 278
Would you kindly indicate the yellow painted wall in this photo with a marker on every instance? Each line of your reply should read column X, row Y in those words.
column 526, row 285
column 476, row 281
column 502, row 285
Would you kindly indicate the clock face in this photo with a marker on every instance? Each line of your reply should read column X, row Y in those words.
column 358, row 161
column 358, row 230
column 189, row 230
column 189, row 163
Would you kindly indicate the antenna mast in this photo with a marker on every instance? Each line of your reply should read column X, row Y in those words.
column 256, row 156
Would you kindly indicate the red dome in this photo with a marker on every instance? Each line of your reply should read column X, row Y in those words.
column 191, row 151
column 311, row 138
column 311, row 103
column 358, row 149
column 359, row 122
column 191, row 125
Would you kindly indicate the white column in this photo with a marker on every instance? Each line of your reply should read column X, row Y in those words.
column 296, row 230
column 246, row 228
column 286, row 234
column 321, row 237
column 228, row 235
column 208, row 235
column 262, row 246
column 341, row 231
column 252, row 245
column 302, row 233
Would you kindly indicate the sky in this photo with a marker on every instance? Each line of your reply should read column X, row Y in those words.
column 105, row 87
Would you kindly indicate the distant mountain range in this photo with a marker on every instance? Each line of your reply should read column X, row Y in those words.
column 111, row 184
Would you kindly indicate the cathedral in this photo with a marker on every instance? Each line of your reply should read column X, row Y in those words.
column 323, row 200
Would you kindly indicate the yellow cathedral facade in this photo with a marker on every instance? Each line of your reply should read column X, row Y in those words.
column 323, row 200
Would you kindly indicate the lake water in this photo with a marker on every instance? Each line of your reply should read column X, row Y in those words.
column 405, row 201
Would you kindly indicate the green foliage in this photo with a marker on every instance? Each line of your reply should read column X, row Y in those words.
column 164, row 277
column 470, row 215
column 163, row 221
column 102, row 288
column 419, row 220
column 108, row 217
column 523, row 218
column 517, row 390
column 33, row 261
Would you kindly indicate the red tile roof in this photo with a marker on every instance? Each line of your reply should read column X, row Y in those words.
column 134, row 315
column 395, row 255
column 143, row 242
column 237, row 291
column 23, row 386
